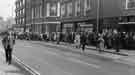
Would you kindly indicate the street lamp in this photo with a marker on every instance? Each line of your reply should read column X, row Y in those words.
column 98, row 8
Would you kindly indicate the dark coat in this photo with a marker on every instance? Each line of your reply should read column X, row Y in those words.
column 83, row 39
column 8, row 42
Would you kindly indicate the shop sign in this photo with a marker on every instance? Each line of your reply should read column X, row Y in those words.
column 86, row 25
column 68, row 25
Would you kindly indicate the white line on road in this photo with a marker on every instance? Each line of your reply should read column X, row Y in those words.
column 28, row 68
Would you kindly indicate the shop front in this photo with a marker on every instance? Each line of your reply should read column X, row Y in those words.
column 129, row 30
column 68, row 27
column 86, row 27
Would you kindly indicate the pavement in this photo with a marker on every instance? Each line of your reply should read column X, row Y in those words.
column 13, row 69
column 124, row 56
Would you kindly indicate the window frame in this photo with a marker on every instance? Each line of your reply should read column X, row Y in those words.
column 77, row 2
column 69, row 5
column 127, row 1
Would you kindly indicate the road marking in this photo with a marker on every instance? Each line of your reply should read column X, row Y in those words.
column 28, row 68
column 52, row 65
column 83, row 62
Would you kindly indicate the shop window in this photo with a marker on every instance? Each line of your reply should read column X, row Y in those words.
column 130, row 4
column 131, row 19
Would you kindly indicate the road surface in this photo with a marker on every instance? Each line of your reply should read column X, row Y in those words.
column 50, row 60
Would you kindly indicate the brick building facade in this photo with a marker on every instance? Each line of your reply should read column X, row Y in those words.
column 20, row 14
column 75, row 15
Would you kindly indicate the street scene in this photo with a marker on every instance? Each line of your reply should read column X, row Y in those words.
column 67, row 37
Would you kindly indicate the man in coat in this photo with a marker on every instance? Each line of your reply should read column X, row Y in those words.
column 83, row 39
column 8, row 43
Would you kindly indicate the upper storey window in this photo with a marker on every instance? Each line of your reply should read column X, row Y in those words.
column 77, row 7
column 130, row 4
column 51, row 9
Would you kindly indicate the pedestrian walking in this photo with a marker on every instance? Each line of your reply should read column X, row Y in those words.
column 77, row 40
column 116, row 39
column 8, row 43
column 58, row 37
column 83, row 39
column 101, row 43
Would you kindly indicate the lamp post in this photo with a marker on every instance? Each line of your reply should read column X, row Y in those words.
column 98, row 8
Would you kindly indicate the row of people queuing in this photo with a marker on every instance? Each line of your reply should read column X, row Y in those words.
column 110, row 39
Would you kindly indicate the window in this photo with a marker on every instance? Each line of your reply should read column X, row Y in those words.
column 23, row 21
column 130, row 4
column 58, row 9
column 48, row 9
column 23, row 11
column 69, row 9
column 87, row 6
column 51, row 9
column 20, row 21
column 32, row 13
column 36, row 12
column 20, row 12
column 40, row 11
column 63, row 10
column 23, row 2
column 77, row 7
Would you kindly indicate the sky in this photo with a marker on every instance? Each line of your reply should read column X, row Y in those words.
column 7, row 8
